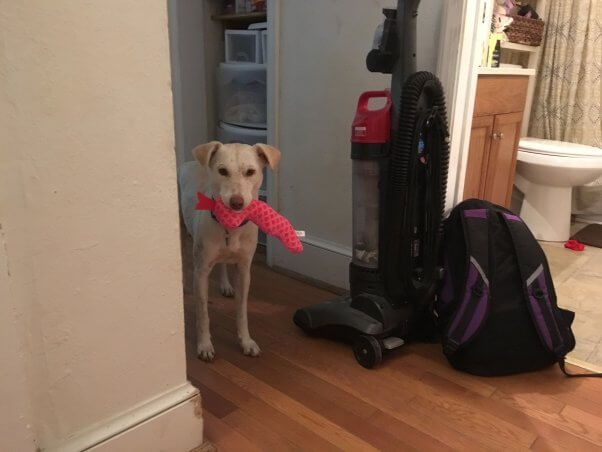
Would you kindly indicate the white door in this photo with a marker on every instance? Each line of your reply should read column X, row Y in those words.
column 319, row 49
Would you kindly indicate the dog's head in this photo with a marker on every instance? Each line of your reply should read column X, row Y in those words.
column 236, row 170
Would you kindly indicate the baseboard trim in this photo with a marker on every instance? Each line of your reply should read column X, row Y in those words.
column 584, row 364
column 327, row 245
column 321, row 260
column 143, row 426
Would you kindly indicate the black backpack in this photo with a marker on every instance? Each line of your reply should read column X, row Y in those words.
column 496, row 308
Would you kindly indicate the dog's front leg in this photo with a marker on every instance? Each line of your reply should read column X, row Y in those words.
column 249, row 346
column 204, row 348
column 224, row 282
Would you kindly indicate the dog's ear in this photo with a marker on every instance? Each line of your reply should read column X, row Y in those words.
column 268, row 154
column 205, row 152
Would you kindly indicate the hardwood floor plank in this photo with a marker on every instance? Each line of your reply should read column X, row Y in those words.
column 225, row 437
column 215, row 403
column 385, row 393
column 294, row 381
column 292, row 408
column 566, row 443
column 492, row 433
column 259, row 433
column 573, row 426
column 482, row 423
column 414, row 355
column 257, row 408
column 509, row 414
column 590, row 423
column 405, row 433
column 372, row 391
column 322, row 397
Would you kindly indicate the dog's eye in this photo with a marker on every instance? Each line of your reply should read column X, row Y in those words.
column 223, row 171
column 250, row 172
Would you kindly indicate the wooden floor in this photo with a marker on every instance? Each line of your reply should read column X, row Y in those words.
column 309, row 394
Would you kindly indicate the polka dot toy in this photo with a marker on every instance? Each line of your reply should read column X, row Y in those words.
column 266, row 218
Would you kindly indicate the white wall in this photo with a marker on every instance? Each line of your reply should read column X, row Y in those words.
column 322, row 71
column 91, row 312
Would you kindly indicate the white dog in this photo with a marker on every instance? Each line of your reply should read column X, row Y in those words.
column 232, row 172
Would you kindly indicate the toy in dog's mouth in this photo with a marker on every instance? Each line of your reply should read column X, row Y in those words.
column 266, row 218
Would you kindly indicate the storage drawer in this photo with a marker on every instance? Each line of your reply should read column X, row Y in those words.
column 242, row 94
column 498, row 94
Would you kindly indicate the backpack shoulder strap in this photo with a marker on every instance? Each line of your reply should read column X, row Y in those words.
column 538, row 289
column 471, row 312
column 550, row 324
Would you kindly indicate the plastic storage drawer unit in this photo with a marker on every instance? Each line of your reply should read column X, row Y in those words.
column 242, row 46
column 242, row 94
column 227, row 133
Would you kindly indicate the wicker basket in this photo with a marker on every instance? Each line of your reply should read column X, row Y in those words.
column 525, row 31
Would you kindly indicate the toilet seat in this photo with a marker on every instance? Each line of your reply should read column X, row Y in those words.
column 557, row 148
column 559, row 161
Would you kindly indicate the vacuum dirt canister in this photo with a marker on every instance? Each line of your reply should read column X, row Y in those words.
column 370, row 132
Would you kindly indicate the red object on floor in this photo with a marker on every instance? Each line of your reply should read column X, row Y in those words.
column 574, row 245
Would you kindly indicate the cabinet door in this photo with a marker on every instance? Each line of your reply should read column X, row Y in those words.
column 478, row 156
column 502, row 158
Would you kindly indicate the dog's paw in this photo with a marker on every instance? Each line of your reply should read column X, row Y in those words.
column 226, row 289
column 205, row 351
column 250, row 347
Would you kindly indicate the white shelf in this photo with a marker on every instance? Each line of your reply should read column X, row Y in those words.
column 519, row 47
column 505, row 71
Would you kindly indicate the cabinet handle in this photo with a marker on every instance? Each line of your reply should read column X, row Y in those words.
column 498, row 136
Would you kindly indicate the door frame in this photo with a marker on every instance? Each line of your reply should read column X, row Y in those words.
column 460, row 51
column 273, row 9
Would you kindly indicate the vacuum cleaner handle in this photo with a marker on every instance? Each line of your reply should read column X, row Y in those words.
column 372, row 126
column 362, row 103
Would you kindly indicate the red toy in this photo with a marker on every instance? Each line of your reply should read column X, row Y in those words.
column 268, row 220
column 574, row 245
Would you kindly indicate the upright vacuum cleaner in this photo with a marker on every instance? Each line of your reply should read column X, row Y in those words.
column 400, row 159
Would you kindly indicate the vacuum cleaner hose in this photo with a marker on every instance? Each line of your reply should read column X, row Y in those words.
column 416, row 195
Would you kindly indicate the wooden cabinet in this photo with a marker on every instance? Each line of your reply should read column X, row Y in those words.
column 494, row 137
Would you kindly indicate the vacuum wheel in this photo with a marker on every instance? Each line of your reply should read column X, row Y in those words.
column 367, row 351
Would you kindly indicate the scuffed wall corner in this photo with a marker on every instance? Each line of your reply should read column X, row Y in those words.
column 198, row 406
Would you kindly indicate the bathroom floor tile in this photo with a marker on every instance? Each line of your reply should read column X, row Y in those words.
column 578, row 282
column 583, row 350
column 563, row 262
column 587, row 326
column 595, row 356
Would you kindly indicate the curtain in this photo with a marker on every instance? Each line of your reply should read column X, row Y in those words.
column 566, row 103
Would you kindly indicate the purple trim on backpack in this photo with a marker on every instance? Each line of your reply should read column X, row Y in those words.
column 475, row 213
column 447, row 291
column 473, row 274
column 536, row 308
column 511, row 217
column 478, row 316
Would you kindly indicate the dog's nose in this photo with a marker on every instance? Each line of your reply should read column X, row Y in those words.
column 236, row 202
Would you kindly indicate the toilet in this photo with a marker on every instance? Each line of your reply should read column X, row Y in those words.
column 546, row 172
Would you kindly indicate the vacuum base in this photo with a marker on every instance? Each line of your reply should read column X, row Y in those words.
column 341, row 319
